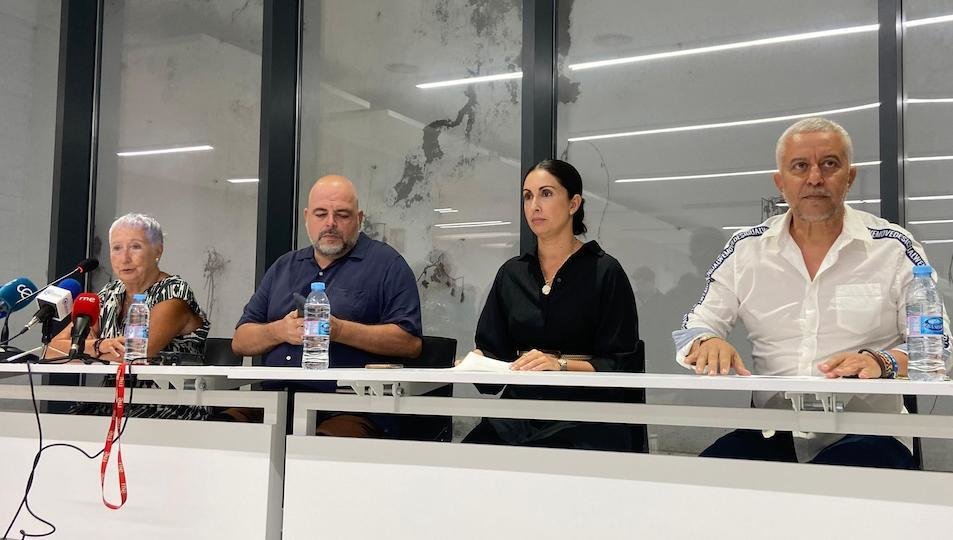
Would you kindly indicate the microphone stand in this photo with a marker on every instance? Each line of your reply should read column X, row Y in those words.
column 6, row 351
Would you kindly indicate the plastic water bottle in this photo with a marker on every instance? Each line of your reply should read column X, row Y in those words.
column 137, row 330
column 925, row 327
column 317, row 329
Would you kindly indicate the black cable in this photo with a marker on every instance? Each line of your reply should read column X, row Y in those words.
column 25, row 502
column 18, row 334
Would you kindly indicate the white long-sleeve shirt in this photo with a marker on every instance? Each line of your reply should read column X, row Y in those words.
column 856, row 300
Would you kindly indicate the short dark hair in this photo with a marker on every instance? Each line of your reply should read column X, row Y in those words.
column 569, row 178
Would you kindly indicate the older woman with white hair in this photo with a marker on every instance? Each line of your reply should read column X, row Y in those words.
column 176, row 322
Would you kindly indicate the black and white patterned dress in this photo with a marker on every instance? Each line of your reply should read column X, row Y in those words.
column 112, row 324
column 113, row 295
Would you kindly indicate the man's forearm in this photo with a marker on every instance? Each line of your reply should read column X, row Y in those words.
column 385, row 339
column 252, row 339
column 902, row 361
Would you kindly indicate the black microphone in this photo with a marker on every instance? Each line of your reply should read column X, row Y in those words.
column 84, row 267
column 85, row 316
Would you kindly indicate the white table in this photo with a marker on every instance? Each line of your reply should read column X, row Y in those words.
column 402, row 489
column 186, row 479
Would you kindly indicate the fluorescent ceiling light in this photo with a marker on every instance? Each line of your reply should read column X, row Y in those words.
column 175, row 150
column 928, row 100
column 928, row 20
column 697, row 127
column 737, row 227
column 472, row 80
column 720, row 175
column 929, row 158
column 727, row 47
column 947, row 241
column 241, row 180
column 931, row 198
column 470, row 224
column 929, row 221
column 445, row 210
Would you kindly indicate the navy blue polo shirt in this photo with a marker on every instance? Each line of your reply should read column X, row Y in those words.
column 372, row 284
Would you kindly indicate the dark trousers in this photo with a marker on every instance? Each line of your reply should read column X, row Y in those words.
column 852, row 450
column 585, row 436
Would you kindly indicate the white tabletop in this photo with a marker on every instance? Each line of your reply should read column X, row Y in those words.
column 110, row 369
column 685, row 381
column 604, row 380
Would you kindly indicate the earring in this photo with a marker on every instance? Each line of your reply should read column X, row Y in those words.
column 157, row 259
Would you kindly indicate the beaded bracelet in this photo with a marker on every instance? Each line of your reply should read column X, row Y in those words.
column 894, row 368
column 888, row 364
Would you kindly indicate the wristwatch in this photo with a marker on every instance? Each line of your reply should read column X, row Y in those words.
column 563, row 363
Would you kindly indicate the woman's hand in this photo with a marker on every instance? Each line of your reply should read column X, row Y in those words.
column 112, row 349
column 535, row 360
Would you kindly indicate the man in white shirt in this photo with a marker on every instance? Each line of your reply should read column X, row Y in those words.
column 821, row 291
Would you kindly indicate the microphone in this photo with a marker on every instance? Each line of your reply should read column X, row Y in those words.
column 85, row 316
column 55, row 303
column 13, row 294
column 84, row 267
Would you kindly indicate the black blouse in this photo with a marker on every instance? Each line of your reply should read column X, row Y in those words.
column 590, row 310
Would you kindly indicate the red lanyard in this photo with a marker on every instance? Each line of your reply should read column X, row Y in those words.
column 114, row 430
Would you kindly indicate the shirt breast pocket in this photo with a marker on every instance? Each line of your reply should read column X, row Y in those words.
column 859, row 307
column 349, row 304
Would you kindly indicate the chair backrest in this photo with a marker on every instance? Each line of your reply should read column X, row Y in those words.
column 436, row 352
column 218, row 352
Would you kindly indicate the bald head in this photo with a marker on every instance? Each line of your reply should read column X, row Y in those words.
column 332, row 185
column 333, row 218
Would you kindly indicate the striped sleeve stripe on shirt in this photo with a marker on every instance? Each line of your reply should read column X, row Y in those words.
column 719, row 260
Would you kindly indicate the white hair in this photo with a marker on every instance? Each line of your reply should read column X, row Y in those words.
column 143, row 222
column 815, row 124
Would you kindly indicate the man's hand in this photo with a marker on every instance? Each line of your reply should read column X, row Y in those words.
column 717, row 356
column 535, row 361
column 290, row 329
column 850, row 364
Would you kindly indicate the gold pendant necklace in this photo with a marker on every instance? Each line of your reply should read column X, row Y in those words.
column 546, row 288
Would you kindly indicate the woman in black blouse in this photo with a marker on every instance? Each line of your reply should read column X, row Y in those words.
column 566, row 306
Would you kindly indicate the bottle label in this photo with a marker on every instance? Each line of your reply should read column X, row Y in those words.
column 324, row 327
column 136, row 332
column 925, row 325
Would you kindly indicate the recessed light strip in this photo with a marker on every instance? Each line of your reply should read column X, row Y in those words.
column 928, row 100
column 929, row 158
column 928, row 20
column 175, row 150
column 241, row 180
column 947, row 241
column 445, row 210
column 931, row 198
column 929, row 221
column 470, row 224
column 727, row 47
column 848, row 201
column 472, row 80
column 720, row 175
column 698, row 127
column 737, row 227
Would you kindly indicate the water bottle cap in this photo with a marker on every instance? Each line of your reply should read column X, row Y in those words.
column 139, row 297
column 922, row 270
column 317, row 286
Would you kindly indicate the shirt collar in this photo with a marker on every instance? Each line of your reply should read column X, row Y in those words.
column 854, row 227
column 359, row 251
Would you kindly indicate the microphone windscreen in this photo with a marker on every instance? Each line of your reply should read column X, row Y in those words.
column 87, row 265
column 87, row 304
column 13, row 295
column 71, row 285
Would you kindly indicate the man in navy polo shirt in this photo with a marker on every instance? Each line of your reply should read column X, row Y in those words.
column 375, row 308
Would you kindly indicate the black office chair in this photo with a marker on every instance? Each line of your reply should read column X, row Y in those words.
column 218, row 352
column 437, row 352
